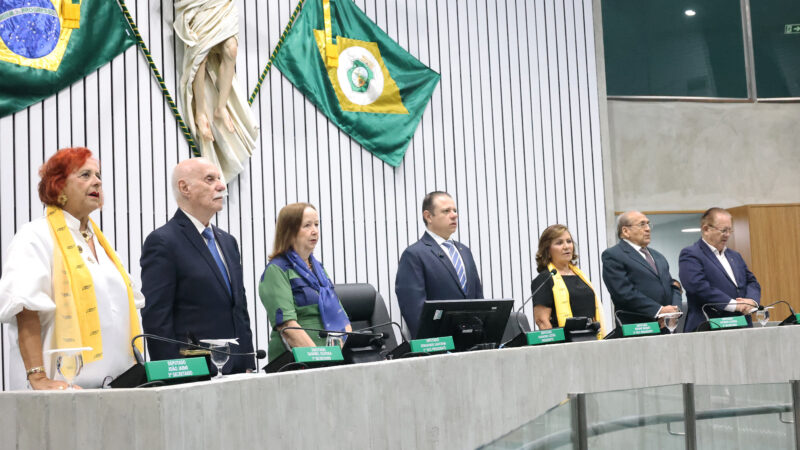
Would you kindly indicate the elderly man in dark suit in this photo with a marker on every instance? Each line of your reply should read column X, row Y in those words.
column 192, row 272
column 435, row 267
column 637, row 276
column 712, row 273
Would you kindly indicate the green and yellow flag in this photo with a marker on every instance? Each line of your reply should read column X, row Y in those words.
column 361, row 79
column 46, row 45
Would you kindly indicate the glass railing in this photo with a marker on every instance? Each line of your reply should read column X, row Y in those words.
column 683, row 416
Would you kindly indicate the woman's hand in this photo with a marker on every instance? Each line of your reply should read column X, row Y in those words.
column 295, row 338
column 40, row 382
column 541, row 314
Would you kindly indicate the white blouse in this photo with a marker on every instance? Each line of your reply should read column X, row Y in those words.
column 27, row 283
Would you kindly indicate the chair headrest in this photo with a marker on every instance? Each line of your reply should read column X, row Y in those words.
column 358, row 300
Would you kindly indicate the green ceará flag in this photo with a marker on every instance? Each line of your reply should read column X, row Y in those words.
column 46, row 45
column 361, row 79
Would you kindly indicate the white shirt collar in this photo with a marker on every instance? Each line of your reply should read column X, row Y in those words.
column 714, row 249
column 439, row 240
column 636, row 247
column 197, row 224
column 72, row 223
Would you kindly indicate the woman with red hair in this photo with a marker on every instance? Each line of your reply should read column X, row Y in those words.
column 63, row 286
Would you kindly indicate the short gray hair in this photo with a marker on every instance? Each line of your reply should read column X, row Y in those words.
column 624, row 220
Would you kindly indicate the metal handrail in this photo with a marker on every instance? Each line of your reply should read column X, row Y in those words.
column 565, row 436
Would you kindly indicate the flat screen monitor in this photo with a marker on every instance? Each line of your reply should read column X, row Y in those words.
column 470, row 322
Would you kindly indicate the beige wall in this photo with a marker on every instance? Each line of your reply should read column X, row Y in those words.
column 689, row 156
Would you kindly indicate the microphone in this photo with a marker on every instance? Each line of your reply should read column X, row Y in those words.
column 359, row 347
column 547, row 278
column 385, row 334
column 762, row 307
column 703, row 308
column 791, row 320
column 138, row 355
column 260, row 354
column 324, row 333
column 135, row 375
column 619, row 321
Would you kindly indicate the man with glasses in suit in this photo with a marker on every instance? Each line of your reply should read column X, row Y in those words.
column 638, row 276
column 712, row 273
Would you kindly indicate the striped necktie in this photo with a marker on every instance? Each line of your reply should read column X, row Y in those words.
column 455, row 258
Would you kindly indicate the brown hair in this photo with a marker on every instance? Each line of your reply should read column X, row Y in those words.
column 549, row 235
column 710, row 216
column 54, row 172
column 427, row 203
column 290, row 219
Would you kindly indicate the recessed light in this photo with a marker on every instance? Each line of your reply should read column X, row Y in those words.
column 690, row 12
column 690, row 230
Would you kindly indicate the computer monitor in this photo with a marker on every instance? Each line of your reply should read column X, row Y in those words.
column 470, row 322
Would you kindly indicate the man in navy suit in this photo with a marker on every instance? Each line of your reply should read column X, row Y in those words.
column 637, row 276
column 435, row 267
column 192, row 272
column 712, row 273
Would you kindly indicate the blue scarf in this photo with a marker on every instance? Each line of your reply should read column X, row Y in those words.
column 333, row 315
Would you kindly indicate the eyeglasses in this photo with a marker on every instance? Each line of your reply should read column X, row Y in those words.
column 642, row 225
column 723, row 231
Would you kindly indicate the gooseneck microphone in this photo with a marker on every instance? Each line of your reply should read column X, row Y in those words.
column 762, row 307
column 631, row 313
column 324, row 333
column 385, row 335
column 723, row 305
column 791, row 320
column 260, row 354
column 547, row 278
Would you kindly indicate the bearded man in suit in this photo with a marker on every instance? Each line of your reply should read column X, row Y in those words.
column 192, row 272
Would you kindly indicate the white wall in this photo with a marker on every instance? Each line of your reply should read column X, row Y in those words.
column 669, row 156
column 512, row 131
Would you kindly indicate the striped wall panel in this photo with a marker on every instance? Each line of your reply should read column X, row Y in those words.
column 512, row 131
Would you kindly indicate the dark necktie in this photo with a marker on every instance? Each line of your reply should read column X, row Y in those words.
column 212, row 247
column 649, row 258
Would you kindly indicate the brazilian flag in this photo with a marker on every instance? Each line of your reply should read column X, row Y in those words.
column 361, row 79
column 46, row 45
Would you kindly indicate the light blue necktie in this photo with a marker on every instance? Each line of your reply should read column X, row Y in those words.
column 455, row 258
column 212, row 247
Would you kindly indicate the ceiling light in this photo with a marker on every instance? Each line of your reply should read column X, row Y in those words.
column 690, row 230
column 690, row 12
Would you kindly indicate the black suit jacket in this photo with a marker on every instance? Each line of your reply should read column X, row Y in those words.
column 185, row 293
column 425, row 272
column 633, row 284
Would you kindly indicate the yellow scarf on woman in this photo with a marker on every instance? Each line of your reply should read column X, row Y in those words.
column 77, row 321
column 561, row 299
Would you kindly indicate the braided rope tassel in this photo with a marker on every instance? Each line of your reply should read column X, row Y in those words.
column 186, row 133
column 275, row 52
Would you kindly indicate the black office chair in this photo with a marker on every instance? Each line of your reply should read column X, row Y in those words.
column 365, row 307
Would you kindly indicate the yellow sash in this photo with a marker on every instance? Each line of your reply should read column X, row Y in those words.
column 561, row 299
column 77, row 322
